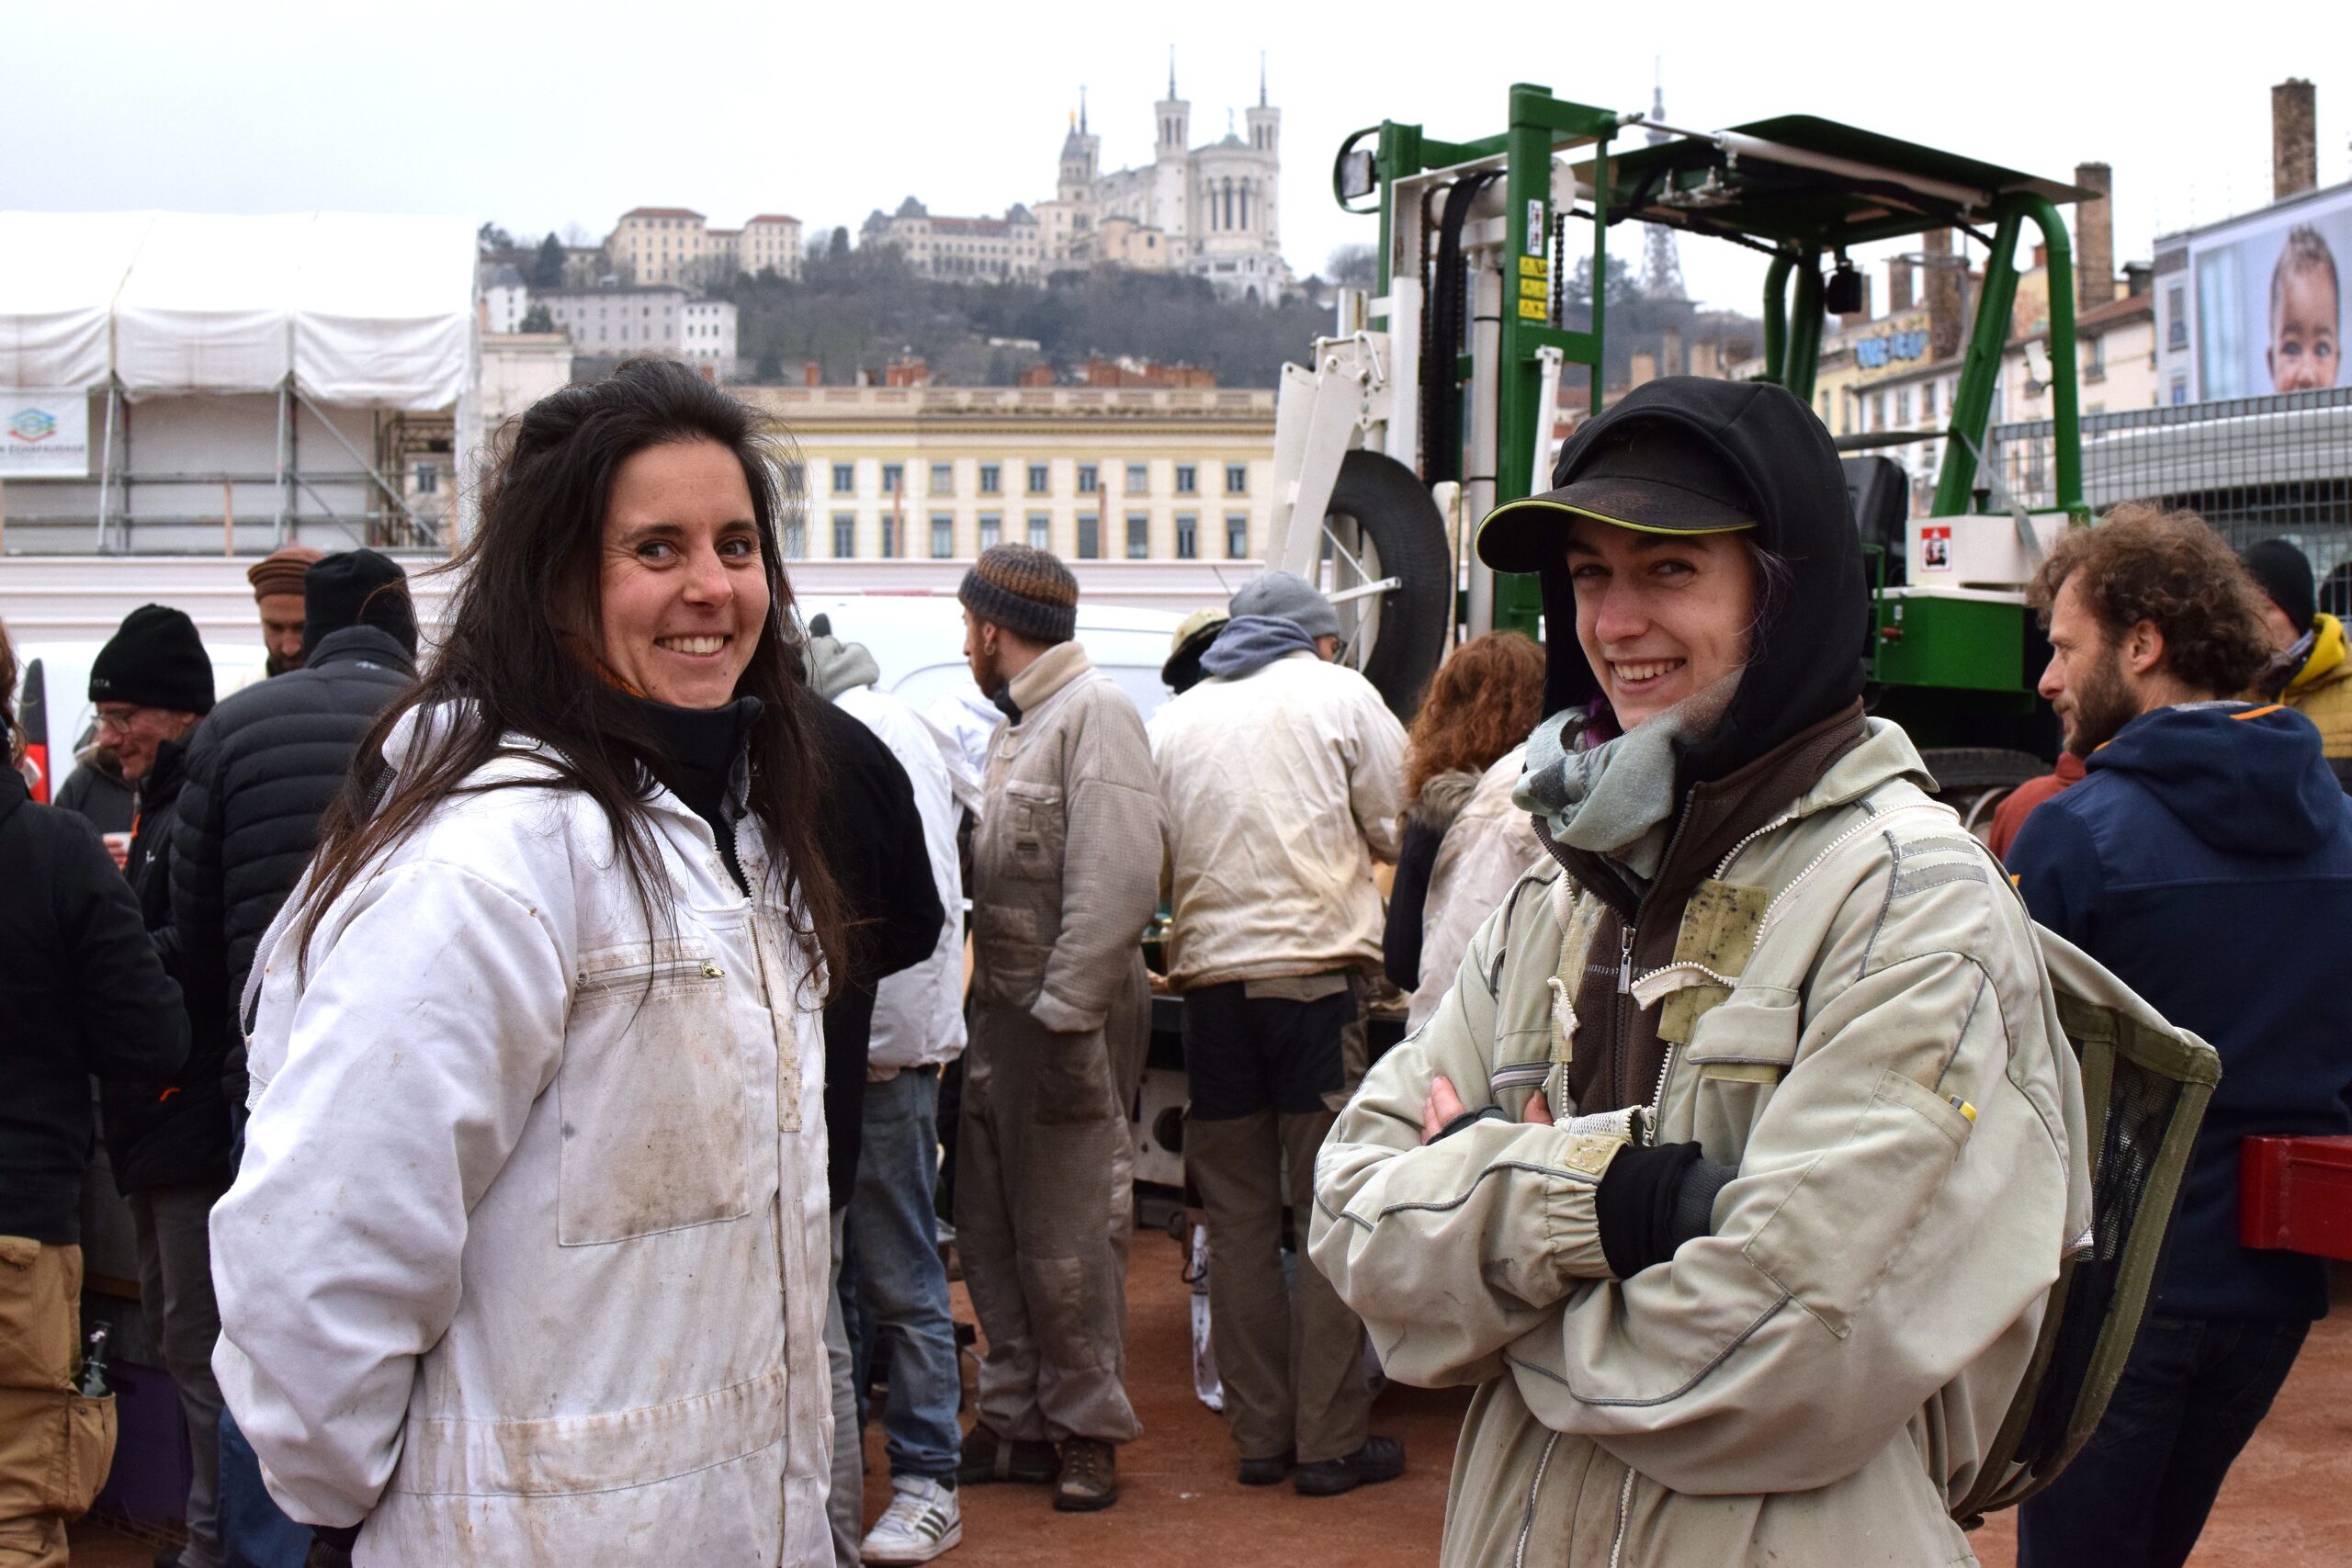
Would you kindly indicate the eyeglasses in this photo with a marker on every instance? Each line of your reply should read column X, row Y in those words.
column 119, row 723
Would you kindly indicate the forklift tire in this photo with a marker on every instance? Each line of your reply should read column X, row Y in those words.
column 1396, row 512
column 1965, row 769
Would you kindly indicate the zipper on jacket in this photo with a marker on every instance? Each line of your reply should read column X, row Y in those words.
column 657, row 970
column 1624, row 1517
column 1535, row 1488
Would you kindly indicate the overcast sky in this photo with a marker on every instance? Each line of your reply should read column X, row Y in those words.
column 543, row 115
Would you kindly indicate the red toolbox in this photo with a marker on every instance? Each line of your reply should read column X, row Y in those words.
column 2295, row 1194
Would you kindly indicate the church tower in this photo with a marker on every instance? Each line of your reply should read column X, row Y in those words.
column 1081, row 150
column 1175, row 118
column 1265, row 121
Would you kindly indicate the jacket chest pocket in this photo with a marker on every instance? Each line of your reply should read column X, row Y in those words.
column 1036, row 827
column 653, row 1097
column 1738, row 1054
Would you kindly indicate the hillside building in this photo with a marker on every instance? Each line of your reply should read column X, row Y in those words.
column 655, row 245
column 964, row 250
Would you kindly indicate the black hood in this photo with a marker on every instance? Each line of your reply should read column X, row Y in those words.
column 1807, row 660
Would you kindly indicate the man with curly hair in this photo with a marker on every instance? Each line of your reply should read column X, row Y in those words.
column 2206, row 846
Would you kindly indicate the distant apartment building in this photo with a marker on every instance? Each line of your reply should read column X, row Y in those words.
column 961, row 249
column 504, row 299
column 941, row 473
column 618, row 322
column 654, row 245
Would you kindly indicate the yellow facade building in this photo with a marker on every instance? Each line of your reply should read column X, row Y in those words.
column 941, row 473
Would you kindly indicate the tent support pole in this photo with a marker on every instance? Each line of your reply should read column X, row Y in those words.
column 374, row 473
column 106, row 466
column 284, row 455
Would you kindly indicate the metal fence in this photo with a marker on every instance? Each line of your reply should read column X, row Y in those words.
column 2253, row 468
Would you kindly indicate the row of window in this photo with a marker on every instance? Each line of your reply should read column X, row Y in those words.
column 1040, row 478
column 1038, row 532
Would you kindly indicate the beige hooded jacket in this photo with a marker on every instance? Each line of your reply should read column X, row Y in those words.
column 1815, row 1382
column 1489, row 847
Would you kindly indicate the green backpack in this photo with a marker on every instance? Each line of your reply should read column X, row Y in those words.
column 2145, row 1083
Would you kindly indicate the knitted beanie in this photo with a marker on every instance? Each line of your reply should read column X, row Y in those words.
column 280, row 571
column 1028, row 592
column 357, row 588
column 2284, row 572
column 156, row 661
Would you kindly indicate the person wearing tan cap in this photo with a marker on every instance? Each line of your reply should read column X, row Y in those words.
column 278, row 588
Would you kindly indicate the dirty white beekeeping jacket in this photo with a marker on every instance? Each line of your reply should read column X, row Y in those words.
column 1490, row 845
column 527, row 1259
column 919, row 1012
column 1279, row 788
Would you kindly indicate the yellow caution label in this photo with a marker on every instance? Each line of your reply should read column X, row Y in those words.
column 1534, row 266
column 1531, row 311
column 1534, row 289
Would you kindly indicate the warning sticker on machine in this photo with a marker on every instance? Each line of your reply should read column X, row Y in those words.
column 1531, row 289
column 1534, row 266
column 1535, row 227
column 1531, row 311
column 1935, row 548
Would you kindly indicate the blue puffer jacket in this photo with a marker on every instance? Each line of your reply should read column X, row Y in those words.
column 2207, row 859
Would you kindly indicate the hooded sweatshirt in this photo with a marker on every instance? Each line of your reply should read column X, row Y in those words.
column 1796, row 709
column 2205, row 859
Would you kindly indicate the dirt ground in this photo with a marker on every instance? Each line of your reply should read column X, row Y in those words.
column 2288, row 1504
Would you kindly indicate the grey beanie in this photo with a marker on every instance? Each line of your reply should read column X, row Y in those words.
column 1288, row 598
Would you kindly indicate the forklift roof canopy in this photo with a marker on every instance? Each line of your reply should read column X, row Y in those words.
column 1799, row 182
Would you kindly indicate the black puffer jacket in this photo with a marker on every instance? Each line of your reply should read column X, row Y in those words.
column 175, row 1134
column 873, row 835
column 82, row 993
column 261, row 769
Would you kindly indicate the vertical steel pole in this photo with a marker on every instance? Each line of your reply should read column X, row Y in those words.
column 105, row 463
column 1981, row 367
column 2065, row 366
column 1776, row 319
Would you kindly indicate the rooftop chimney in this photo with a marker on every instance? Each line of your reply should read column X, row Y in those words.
column 2294, row 139
column 1943, row 296
column 2094, row 238
column 1899, row 286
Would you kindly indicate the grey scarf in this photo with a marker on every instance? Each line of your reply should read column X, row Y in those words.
column 1613, row 797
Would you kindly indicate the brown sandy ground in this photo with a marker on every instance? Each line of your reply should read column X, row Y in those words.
column 2288, row 1504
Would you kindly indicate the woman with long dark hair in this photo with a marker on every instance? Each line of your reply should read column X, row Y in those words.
column 526, row 1260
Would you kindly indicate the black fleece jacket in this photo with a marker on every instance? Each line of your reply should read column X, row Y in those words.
column 261, row 768
column 83, row 993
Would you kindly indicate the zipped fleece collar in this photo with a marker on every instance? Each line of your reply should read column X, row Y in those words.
column 1618, row 1053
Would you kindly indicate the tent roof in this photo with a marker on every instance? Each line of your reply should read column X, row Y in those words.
column 362, row 310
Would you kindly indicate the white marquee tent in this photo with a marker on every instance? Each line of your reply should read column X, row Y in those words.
column 331, row 312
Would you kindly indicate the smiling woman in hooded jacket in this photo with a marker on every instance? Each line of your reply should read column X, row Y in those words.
column 1734, row 1170
column 527, row 1261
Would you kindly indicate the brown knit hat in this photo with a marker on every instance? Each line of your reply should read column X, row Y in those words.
column 1028, row 592
column 280, row 571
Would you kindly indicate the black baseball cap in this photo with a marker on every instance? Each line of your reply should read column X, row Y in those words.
column 1652, row 475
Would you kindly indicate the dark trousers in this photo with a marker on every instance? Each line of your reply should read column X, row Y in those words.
column 2136, row 1497
column 1271, row 1062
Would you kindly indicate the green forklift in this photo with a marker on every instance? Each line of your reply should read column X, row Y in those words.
column 1437, row 396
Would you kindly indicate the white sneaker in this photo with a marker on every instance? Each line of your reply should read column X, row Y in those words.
column 923, row 1521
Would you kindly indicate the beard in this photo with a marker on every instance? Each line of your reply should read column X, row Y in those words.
column 2103, row 705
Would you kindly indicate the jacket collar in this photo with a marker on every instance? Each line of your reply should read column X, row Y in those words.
column 1838, row 760
column 2326, row 654
column 362, row 645
column 1046, row 675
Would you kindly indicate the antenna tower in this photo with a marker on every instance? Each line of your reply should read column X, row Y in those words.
column 1661, row 267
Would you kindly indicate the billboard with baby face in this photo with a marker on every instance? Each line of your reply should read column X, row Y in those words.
column 2269, row 293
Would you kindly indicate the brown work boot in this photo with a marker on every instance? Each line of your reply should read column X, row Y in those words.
column 1089, row 1480
column 988, row 1457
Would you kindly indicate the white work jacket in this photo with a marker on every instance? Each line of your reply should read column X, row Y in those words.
column 526, row 1260
column 919, row 1012
column 1279, row 789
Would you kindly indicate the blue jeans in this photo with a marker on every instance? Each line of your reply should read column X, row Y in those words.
column 254, row 1532
column 893, row 1254
column 2191, row 1395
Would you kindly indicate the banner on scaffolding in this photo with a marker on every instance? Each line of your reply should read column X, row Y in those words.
column 44, row 433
